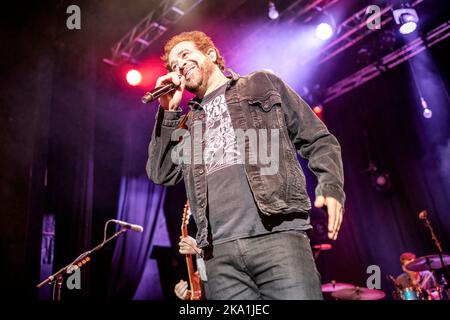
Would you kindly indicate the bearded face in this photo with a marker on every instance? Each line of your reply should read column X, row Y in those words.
column 185, row 59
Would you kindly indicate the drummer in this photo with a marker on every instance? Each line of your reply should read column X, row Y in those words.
column 420, row 281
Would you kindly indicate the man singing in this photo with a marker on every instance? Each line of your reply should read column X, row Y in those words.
column 245, row 186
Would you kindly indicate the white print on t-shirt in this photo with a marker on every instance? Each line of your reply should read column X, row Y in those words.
column 221, row 149
column 224, row 145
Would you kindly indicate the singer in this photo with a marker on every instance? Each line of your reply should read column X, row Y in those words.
column 251, row 221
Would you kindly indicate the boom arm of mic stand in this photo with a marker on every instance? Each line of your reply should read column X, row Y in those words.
column 54, row 277
column 441, row 253
column 433, row 235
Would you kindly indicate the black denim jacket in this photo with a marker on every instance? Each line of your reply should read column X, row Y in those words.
column 260, row 102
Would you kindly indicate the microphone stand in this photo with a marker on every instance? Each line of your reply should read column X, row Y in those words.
column 57, row 278
column 441, row 253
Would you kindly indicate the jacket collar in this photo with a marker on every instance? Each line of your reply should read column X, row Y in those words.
column 233, row 76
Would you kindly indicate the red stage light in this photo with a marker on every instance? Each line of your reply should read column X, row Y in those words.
column 134, row 77
column 318, row 109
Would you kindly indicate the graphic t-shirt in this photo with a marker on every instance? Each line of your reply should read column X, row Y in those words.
column 233, row 213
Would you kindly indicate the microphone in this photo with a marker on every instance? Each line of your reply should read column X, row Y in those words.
column 423, row 215
column 127, row 225
column 158, row 92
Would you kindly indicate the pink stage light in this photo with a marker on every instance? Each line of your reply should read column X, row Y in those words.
column 318, row 109
column 134, row 77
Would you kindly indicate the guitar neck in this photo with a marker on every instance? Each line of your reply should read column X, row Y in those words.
column 194, row 279
column 189, row 263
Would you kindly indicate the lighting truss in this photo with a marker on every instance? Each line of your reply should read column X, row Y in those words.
column 148, row 30
column 305, row 9
column 351, row 31
column 389, row 61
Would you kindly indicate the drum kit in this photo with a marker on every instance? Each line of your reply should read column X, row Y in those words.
column 431, row 270
column 431, row 263
column 425, row 289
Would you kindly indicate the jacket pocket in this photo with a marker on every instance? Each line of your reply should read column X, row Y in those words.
column 267, row 102
column 266, row 111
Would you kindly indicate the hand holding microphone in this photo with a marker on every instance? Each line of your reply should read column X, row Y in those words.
column 169, row 89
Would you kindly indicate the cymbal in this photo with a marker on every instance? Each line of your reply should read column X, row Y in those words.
column 336, row 286
column 358, row 293
column 432, row 262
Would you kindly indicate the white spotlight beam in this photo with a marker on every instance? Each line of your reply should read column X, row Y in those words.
column 148, row 30
column 300, row 10
column 389, row 61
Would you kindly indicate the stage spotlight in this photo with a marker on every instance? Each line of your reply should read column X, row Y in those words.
column 427, row 113
column 324, row 31
column 407, row 18
column 407, row 26
column 318, row 109
column 273, row 12
column 134, row 77
column 381, row 180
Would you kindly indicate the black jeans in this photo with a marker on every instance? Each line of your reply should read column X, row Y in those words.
column 278, row 265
